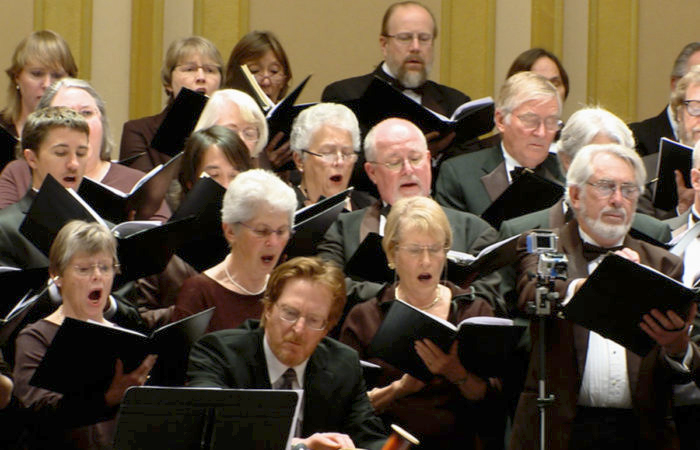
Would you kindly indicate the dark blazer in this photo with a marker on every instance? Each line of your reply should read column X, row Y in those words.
column 553, row 217
column 473, row 181
column 470, row 234
column 438, row 97
column 15, row 249
column 649, row 132
column 649, row 377
column 335, row 396
column 136, row 138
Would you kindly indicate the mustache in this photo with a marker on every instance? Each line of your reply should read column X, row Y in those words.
column 612, row 209
column 414, row 58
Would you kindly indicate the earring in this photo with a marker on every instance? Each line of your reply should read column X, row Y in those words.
column 17, row 87
column 391, row 265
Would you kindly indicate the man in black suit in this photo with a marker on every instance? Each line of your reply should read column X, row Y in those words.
column 528, row 115
column 649, row 132
column 407, row 43
column 289, row 350
column 55, row 141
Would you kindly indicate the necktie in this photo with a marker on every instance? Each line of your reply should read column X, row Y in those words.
column 591, row 252
column 288, row 378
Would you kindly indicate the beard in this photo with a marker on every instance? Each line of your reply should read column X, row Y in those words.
column 688, row 137
column 412, row 78
column 605, row 230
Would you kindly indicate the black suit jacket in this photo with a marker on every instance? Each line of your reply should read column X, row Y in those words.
column 15, row 249
column 649, row 132
column 335, row 395
column 473, row 181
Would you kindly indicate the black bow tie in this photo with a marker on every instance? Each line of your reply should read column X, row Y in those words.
column 591, row 252
column 384, row 210
column 519, row 170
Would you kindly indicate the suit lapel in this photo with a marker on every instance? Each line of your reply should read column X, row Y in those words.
column 556, row 215
column 433, row 99
column 370, row 221
column 496, row 180
column 258, row 366
column 317, row 381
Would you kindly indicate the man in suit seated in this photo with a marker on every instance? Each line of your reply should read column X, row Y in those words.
column 399, row 165
column 54, row 141
column 407, row 41
column 649, row 132
column 605, row 396
column 589, row 125
column 528, row 113
column 303, row 301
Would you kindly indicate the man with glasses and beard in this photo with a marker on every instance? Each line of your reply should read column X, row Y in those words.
column 606, row 396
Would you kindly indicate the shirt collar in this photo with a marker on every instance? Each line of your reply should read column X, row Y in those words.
column 275, row 368
column 511, row 163
column 589, row 240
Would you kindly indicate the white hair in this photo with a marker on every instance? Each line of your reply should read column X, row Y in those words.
column 255, row 188
column 586, row 123
column 310, row 120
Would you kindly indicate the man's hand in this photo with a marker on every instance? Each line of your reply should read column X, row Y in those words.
column 278, row 156
column 669, row 330
column 437, row 146
column 324, row 441
column 629, row 254
column 686, row 196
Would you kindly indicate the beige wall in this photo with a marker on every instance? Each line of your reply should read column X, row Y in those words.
column 338, row 39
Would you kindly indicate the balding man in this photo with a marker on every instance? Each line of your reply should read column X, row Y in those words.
column 528, row 115
column 398, row 163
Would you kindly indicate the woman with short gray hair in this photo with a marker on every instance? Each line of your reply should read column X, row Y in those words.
column 325, row 140
column 257, row 216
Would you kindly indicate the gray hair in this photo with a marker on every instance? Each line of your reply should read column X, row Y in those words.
column 310, row 120
column 680, row 65
column 107, row 143
column 691, row 78
column 581, row 168
column 586, row 123
column 250, row 111
column 371, row 138
column 251, row 190
column 524, row 87
column 80, row 237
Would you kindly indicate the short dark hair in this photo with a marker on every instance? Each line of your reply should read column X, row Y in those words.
column 390, row 11
column 232, row 146
column 43, row 120
column 253, row 46
column 315, row 270
column 524, row 62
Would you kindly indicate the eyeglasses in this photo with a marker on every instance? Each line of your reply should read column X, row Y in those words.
column 250, row 134
column 266, row 232
column 272, row 75
column 291, row 315
column 102, row 269
column 606, row 188
column 532, row 121
column 424, row 39
column 416, row 250
column 192, row 69
column 693, row 107
column 331, row 157
column 396, row 164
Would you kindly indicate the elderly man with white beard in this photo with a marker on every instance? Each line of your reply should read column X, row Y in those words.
column 606, row 396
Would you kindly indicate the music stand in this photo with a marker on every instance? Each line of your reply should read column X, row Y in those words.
column 206, row 418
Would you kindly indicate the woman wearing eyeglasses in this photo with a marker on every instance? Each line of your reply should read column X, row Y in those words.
column 325, row 139
column 82, row 263
column 456, row 408
column 192, row 62
column 257, row 216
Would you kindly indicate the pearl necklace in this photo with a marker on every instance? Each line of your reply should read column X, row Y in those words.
column 241, row 288
column 426, row 307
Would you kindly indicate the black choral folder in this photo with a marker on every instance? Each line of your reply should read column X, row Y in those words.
column 312, row 222
column 527, row 193
column 614, row 309
column 146, row 197
column 82, row 356
column 206, row 418
column 485, row 343
column 179, row 122
column 672, row 156
column 207, row 247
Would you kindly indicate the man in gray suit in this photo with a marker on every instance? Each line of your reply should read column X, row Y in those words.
column 528, row 113
column 55, row 142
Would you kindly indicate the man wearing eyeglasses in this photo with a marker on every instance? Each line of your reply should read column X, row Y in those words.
column 398, row 163
column 649, row 132
column 606, row 396
column 288, row 350
column 528, row 115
